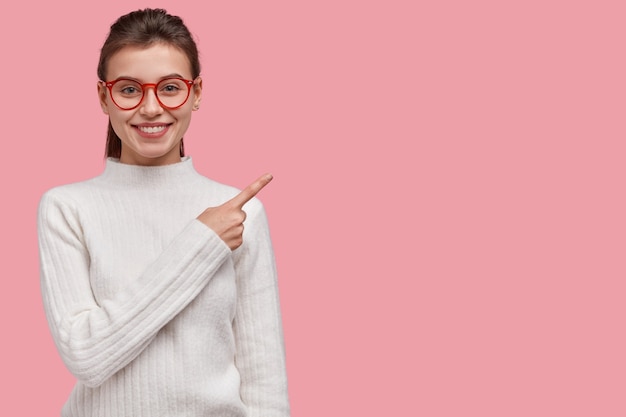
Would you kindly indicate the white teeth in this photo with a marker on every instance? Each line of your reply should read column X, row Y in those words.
column 152, row 129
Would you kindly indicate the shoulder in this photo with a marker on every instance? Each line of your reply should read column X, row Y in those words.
column 60, row 206
column 68, row 194
column 221, row 193
column 216, row 187
column 58, row 210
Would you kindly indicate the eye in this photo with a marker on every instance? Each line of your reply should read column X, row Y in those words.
column 172, row 87
column 128, row 88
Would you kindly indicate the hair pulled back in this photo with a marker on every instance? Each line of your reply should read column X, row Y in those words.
column 144, row 28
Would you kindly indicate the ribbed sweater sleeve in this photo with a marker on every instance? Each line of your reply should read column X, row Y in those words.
column 260, row 354
column 97, row 339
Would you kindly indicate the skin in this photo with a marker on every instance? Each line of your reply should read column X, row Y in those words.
column 149, row 65
column 227, row 220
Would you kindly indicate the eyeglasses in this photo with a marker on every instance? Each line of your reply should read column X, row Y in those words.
column 171, row 93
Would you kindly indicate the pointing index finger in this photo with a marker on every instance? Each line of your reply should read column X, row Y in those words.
column 251, row 190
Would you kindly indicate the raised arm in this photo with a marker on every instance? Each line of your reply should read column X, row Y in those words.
column 227, row 219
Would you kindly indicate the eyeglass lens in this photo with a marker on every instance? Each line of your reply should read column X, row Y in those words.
column 171, row 92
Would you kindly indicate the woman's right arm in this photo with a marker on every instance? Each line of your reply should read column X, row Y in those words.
column 95, row 340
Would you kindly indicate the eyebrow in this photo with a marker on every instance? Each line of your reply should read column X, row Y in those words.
column 173, row 75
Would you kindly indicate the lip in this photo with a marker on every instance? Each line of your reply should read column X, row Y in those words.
column 152, row 135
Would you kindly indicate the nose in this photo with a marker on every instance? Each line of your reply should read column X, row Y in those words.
column 150, row 106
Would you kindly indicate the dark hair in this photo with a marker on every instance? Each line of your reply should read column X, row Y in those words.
column 144, row 28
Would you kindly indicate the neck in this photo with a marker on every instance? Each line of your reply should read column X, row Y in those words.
column 135, row 175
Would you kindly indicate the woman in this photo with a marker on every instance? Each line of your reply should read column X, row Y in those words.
column 157, row 300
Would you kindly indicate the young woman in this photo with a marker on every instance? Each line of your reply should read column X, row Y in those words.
column 158, row 301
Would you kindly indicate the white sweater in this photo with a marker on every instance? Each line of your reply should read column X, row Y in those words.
column 148, row 307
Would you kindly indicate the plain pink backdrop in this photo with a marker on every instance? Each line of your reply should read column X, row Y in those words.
column 448, row 205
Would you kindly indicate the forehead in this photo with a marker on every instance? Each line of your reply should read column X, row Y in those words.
column 148, row 64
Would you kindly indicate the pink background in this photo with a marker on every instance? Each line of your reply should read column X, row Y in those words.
column 448, row 204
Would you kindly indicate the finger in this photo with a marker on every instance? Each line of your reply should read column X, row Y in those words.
column 251, row 190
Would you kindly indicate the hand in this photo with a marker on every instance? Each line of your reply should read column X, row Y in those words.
column 227, row 220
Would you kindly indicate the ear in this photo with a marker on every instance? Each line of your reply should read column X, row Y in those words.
column 197, row 93
column 102, row 97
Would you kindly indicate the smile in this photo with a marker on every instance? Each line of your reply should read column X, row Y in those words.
column 152, row 129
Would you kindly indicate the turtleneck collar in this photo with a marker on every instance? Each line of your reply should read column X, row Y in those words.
column 121, row 174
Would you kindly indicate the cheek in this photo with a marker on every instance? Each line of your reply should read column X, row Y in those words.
column 183, row 115
column 119, row 122
column 117, row 117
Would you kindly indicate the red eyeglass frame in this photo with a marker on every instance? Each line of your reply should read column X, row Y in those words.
column 144, row 87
